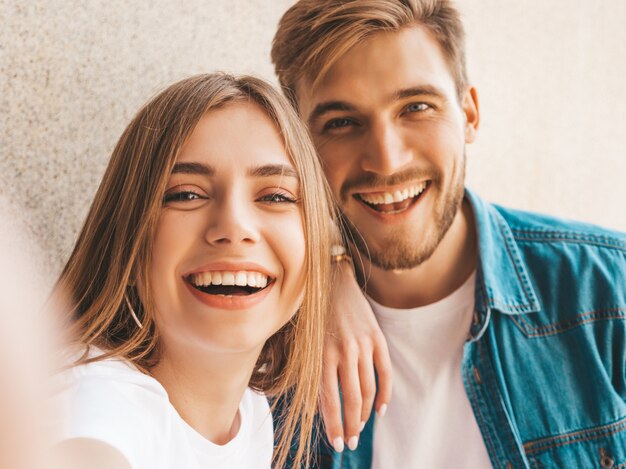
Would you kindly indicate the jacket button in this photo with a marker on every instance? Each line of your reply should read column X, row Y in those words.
column 477, row 376
column 606, row 460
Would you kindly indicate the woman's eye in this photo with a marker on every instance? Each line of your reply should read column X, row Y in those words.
column 181, row 196
column 277, row 198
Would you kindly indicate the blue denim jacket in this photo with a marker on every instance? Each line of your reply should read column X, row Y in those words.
column 545, row 367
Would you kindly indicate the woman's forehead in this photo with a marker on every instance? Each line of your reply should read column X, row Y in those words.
column 239, row 134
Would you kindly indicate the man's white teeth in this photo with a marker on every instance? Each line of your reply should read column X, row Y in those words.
column 228, row 278
column 378, row 198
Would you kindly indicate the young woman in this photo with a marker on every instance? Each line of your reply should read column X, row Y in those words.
column 198, row 283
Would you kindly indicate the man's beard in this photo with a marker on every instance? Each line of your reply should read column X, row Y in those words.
column 401, row 250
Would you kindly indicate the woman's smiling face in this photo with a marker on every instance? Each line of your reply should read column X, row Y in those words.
column 228, row 258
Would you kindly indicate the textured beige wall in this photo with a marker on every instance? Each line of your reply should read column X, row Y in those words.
column 549, row 74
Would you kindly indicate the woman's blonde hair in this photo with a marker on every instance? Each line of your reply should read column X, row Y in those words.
column 114, row 247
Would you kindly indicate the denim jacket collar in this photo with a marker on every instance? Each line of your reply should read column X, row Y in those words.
column 503, row 283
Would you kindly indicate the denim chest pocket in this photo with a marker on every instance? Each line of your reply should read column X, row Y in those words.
column 600, row 447
column 566, row 387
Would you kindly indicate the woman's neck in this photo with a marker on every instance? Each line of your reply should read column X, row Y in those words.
column 206, row 388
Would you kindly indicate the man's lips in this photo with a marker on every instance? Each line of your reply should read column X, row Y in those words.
column 393, row 200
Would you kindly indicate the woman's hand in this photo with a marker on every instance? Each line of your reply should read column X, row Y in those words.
column 353, row 348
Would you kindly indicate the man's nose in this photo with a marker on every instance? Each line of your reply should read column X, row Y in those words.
column 386, row 151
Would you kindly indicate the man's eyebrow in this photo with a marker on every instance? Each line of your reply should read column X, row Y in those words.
column 423, row 90
column 273, row 170
column 193, row 168
column 323, row 108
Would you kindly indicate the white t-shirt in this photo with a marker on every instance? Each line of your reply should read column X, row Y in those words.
column 429, row 422
column 112, row 401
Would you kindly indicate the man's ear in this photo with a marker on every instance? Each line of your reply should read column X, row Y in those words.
column 472, row 114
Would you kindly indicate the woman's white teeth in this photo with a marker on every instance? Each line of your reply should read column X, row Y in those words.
column 378, row 198
column 216, row 278
column 241, row 279
column 228, row 278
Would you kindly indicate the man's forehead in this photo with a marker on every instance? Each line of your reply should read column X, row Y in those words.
column 378, row 69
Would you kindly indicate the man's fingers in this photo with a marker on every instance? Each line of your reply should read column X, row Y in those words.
column 382, row 362
column 330, row 405
column 352, row 402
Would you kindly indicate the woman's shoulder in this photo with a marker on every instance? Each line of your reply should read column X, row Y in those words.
column 102, row 376
column 111, row 401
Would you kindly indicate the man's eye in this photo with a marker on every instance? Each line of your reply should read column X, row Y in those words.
column 417, row 107
column 337, row 123
column 277, row 198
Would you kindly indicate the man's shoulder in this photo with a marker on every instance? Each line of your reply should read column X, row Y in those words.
column 577, row 270
column 532, row 232
column 532, row 260
column 567, row 252
column 569, row 273
column 532, row 227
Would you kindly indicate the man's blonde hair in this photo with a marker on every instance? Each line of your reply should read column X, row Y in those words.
column 313, row 34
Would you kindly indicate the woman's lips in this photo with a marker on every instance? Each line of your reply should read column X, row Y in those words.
column 232, row 302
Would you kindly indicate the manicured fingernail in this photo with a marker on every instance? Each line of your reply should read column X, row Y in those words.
column 382, row 410
column 362, row 427
column 338, row 444
column 353, row 442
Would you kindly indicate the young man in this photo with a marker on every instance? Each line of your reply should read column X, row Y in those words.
column 506, row 330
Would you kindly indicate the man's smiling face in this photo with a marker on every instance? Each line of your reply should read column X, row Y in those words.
column 389, row 128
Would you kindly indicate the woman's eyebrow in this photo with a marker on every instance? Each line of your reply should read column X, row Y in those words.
column 257, row 171
column 193, row 168
column 273, row 170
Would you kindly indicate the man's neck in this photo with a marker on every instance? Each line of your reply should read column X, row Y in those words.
column 450, row 265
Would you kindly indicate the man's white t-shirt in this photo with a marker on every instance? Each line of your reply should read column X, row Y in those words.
column 429, row 421
column 113, row 402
